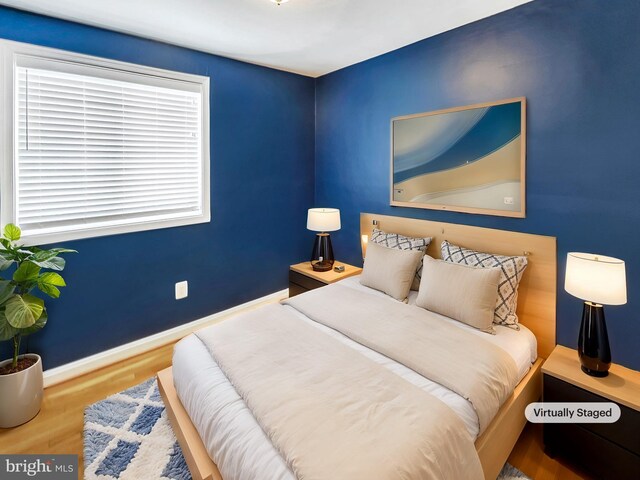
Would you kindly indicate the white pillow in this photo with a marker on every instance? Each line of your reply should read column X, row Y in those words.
column 511, row 267
column 390, row 270
column 466, row 294
column 402, row 242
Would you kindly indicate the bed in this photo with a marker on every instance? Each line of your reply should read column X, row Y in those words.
column 212, row 420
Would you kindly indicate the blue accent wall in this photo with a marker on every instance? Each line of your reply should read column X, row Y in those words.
column 576, row 61
column 121, row 288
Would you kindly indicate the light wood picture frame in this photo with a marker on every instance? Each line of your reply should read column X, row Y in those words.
column 469, row 159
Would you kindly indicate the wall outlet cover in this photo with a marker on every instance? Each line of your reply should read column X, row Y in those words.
column 182, row 290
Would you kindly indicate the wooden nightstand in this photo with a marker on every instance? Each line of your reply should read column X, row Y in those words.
column 605, row 450
column 303, row 278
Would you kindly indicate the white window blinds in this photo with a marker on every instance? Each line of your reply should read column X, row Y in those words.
column 94, row 152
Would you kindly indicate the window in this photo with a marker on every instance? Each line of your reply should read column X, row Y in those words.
column 99, row 147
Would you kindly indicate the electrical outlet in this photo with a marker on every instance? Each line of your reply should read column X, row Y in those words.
column 508, row 200
column 182, row 290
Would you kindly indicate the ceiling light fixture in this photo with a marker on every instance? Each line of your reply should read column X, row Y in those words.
column 279, row 2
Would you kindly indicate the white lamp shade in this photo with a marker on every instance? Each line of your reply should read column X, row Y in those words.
column 323, row 219
column 596, row 278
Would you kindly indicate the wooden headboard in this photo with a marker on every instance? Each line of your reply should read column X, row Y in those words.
column 537, row 292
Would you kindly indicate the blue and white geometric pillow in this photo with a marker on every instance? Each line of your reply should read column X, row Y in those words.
column 401, row 242
column 512, row 268
column 128, row 436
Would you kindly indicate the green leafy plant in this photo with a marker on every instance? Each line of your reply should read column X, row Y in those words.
column 21, row 311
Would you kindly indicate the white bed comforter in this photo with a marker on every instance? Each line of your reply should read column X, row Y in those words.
column 234, row 439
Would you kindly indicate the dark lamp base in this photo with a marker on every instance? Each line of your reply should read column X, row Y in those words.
column 321, row 266
column 322, row 259
column 593, row 341
column 594, row 373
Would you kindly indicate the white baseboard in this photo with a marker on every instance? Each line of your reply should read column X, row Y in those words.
column 74, row 369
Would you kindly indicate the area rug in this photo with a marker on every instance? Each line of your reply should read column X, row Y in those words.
column 127, row 436
column 509, row 472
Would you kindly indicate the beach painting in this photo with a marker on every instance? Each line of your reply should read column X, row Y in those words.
column 467, row 159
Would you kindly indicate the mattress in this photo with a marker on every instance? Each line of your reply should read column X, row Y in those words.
column 233, row 438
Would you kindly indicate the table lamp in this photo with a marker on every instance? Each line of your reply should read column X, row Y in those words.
column 323, row 220
column 598, row 280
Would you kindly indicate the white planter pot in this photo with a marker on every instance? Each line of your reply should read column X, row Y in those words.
column 21, row 393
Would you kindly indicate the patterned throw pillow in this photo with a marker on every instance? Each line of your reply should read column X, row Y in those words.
column 400, row 242
column 512, row 270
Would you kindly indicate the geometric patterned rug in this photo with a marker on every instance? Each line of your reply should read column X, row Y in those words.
column 127, row 436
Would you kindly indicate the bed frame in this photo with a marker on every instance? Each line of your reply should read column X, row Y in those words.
column 536, row 310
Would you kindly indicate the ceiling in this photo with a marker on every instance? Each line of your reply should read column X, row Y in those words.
column 311, row 37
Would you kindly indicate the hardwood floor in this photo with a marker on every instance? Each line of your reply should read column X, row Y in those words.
column 58, row 426
column 528, row 456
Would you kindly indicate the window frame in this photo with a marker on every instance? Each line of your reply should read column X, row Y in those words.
column 14, row 54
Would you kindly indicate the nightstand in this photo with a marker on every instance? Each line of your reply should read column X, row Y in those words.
column 303, row 278
column 605, row 450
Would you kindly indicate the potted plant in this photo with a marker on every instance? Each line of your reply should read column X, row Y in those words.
column 23, row 313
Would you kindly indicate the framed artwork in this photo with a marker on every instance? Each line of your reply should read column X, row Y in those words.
column 465, row 159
